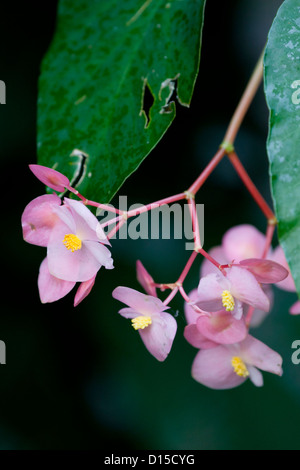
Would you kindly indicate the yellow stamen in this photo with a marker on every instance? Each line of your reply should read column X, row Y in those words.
column 227, row 300
column 141, row 322
column 72, row 242
column 239, row 367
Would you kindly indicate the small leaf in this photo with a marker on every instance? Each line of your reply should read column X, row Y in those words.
column 282, row 88
column 107, row 56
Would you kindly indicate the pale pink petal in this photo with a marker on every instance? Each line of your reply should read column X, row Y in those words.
column 255, row 376
column 258, row 354
column 50, row 177
column 87, row 225
column 221, row 327
column 129, row 313
column 196, row 339
column 51, row 288
column 210, row 292
column 288, row 283
column 39, row 218
column 66, row 217
column 80, row 265
column 258, row 315
column 142, row 303
column 213, row 368
column 243, row 241
column 295, row 308
column 83, row 290
column 245, row 287
column 158, row 337
column 207, row 267
column 265, row 271
column 145, row 279
column 101, row 253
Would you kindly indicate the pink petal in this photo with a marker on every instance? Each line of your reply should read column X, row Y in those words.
column 255, row 376
column 39, row 218
column 87, row 225
column 265, row 271
column 196, row 339
column 258, row 316
column 159, row 336
column 144, row 304
column 245, row 287
column 243, row 241
column 101, row 253
column 145, row 279
column 210, row 292
column 51, row 288
column 288, row 283
column 258, row 354
column 83, row 290
column 295, row 308
column 213, row 368
column 221, row 327
column 49, row 177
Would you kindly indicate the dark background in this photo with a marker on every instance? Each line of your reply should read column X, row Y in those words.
column 81, row 378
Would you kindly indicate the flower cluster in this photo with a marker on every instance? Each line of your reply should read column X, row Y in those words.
column 234, row 292
column 223, row 308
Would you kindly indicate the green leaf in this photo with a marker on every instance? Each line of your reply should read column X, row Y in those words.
column 282, row 88
column 105, row 58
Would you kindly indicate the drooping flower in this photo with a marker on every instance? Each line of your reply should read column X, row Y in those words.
column 216, row 291
column 156, row 327
column 227, row 366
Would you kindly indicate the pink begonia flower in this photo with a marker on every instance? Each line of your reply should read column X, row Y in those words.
column 42, row 220
column 52, row 178
column 147, row 313
column 239, row 286
column 206, row 330
column 145, row 279
column 74, row 251
column 227, row 366
column 38, row 219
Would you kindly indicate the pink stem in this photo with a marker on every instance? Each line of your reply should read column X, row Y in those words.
column 154, row 205
column 207, row 171
column 170, row 296
column 115, row 229
column 187, row 267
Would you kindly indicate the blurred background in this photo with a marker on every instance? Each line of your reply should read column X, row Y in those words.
column 80, row 378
